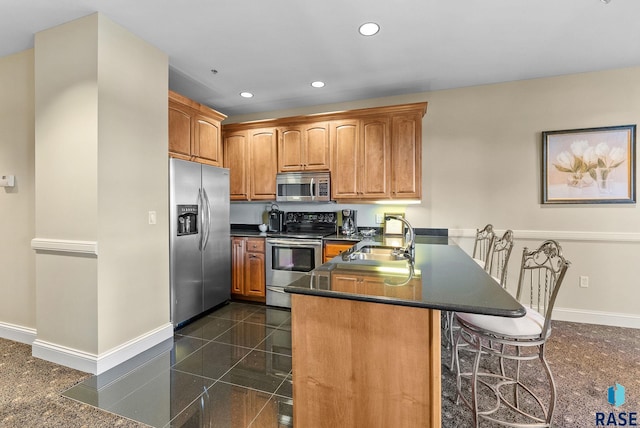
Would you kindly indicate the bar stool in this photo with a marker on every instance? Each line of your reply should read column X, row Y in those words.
column 499, row 255
column 518, row 339
column 481, row 253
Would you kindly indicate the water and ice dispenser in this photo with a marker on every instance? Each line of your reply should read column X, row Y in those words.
column 187, row 220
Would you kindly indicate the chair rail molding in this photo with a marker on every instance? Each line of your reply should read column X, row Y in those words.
column 560, row 235
column 65, row 246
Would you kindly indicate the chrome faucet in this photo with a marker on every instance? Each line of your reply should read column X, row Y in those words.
column 410, row 247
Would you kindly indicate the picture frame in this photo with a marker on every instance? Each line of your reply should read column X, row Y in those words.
column 393, row 226
column 589, row 166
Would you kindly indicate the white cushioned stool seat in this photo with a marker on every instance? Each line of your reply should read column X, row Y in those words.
column 529, row 325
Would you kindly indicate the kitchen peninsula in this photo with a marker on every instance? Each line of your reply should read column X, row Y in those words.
column 366, row 333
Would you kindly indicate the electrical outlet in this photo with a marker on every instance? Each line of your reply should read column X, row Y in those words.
column 152, row 217
column 584, row 282
column 379, row 219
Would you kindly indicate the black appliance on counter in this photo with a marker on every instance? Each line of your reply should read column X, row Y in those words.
column 276, row 219
column 295, row 250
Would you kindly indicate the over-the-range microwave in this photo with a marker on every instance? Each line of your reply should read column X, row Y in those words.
column 303, row 187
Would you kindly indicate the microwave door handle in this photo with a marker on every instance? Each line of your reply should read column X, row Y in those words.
column 311, row 192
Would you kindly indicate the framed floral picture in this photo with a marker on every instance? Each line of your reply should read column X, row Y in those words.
column 589, row 166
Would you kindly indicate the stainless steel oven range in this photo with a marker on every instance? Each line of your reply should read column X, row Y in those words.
column 295, row 251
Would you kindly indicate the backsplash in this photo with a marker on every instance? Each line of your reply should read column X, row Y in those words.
column 257, row 212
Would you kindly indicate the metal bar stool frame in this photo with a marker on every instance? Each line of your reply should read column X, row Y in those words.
column 544, row 268
column 481, row 252
column 500, row 252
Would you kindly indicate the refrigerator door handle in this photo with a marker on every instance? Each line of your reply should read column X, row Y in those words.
column 208, row 222
column 201, row 216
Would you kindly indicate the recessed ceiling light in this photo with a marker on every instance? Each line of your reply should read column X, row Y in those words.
column 317, row 84
column 246, row 94
column 369, row 28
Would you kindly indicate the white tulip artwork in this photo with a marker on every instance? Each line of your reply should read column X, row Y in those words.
column 584, row 166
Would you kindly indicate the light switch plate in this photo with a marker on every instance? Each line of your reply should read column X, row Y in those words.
column 7, row 180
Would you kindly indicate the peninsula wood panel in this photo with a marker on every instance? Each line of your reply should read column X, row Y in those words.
column 360, row 364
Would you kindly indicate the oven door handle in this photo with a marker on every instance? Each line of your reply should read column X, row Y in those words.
column 296, row 243
column 276, row 289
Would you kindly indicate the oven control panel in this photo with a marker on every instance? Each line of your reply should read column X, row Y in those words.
column 312, row 217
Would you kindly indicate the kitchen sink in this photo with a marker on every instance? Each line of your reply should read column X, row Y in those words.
column 377, row 253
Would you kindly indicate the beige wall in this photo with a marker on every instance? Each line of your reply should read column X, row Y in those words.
column 17, row 261
column 101, row 166
column 481, row 164
column 133, row 261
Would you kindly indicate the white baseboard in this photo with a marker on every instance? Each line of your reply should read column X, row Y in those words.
column 17, row 333
column 97, row 364
column 597, row 317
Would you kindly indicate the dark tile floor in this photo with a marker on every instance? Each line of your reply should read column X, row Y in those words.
column 231, row 368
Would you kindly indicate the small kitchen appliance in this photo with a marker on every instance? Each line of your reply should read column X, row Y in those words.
column 349, row 224
column 303, row 187
column 276, row 219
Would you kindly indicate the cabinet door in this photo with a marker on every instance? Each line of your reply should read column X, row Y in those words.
column 263, row 164
column 375, row 171
column 236, row 158
column 180, row 131
column 407, row 156
column 345, row 136
column 207, row 145
column 290, row 149
column 316, row 147
column 333, row 249
column 254, row 275
column 237, row 265
column 344, row 283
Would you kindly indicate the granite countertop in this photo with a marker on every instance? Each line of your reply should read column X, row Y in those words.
column 249, row 233
column 444, row 277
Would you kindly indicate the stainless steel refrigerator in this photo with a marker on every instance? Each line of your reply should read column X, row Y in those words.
column 200, row 244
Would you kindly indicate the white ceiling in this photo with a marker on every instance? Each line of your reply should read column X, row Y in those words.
column 276, row 48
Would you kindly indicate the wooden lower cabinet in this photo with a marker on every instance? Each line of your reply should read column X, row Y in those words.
column 248, row 269
column 375, row 285
column 334, row 248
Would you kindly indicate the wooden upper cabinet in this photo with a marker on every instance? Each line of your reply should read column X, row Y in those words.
column 345, row 159
column 180, row 131
column 194, row 131
column 304, row 147
column 375, row 170
column 372, row 154
column 406, row 157
column 236, row 158
column 263, row 163
column 361, row 153
column 207, row 142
